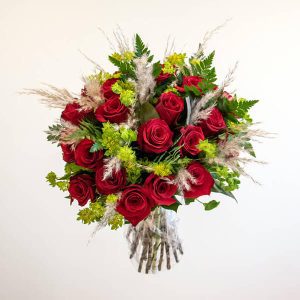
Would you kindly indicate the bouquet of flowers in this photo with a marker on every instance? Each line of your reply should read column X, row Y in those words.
column 146, row 139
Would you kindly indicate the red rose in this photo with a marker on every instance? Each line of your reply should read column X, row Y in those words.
column 155, row 136
column 203, row 181
column 106, row 88
column 73, row 113
column 82, row 189
column 68, row 153
column 190, row 81
column 161, row 78
column 160, row 189
column 112, row 110
column 85, row 158
column 191, row 136
column 169, row 107
column 110, row 185
column 134, row 204
column 214, row 123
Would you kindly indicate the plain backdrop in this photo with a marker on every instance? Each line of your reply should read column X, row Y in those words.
column 239, row 251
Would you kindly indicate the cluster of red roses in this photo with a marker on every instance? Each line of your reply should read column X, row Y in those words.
column 154, row 137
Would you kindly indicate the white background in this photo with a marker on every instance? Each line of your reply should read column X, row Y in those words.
column 245, row 251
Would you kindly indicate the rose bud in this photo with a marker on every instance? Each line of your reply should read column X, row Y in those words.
column 227, row 96
column 110, row 185
column 169, row 107
column 155, row 136
column 106, row 90
column 203, row 181
column 134, row 204
column 68, row 153
column 190, row 81
column 74, row 114
column 82, row 189
column 112, row 110
column 160, row 189
column 85, row 158
column 214, row 123
column 191, row 136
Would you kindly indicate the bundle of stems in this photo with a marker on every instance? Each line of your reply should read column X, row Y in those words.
column 154, row 242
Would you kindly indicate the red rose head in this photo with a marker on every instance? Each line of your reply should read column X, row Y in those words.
column 110, row 185
column 203, row 181
column 85, row 158
column 74, row 114
column 160, row 189
column 82, row 189
column 155, row 136
column 134, row 204
column 191, row 136
column 169, row 107
column 214, row 123
column 106, row 88
column 190, row 81
column 68, row 153
column 112, row 110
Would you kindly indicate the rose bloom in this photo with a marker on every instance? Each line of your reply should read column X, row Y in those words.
column 160, row 189
column 155, row 136
column 112, row 110
column 111, row 185
column 161, row 78
column 191, row 136
column 106, row 90
column 203, row 181
column 85, row 158
column 74, row 114
column 169, row 107
column 190, row 81
column 214, row 123
column 68, row 153
column 134, row 205
column 82, row 189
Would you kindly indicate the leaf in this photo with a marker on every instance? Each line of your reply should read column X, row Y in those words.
column 156, row 69
column 218, row 189
column 140, row 47
column 147, row 112
column 96, row 147
column 173, row 206
column 248, row 146
column 211, row 205
column 189, row 200
column 192, row 89
column 51, row 178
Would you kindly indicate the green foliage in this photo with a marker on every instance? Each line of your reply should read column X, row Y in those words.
column 128, row 135
column 126, row 92
column 176, row 59
column 211, row 205
column 162, row 168
column 204, row 69
column 173, row 206
column 116, row 221
column 53, row 133
column 156, row 69
column 228, row 180
column 87, row 130
column 54, row 181
column 125, row 67
column 236, row 108
column 147, row 112
column 111, row 198
column 93, row 213
column 209, row 148
column 141, row 48
column 96, row 147
column 111, row 139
